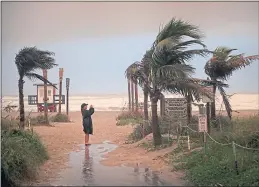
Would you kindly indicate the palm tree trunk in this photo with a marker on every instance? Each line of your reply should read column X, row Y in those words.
column 136, row 96
column 146, row 103
column 162, row 105
column 157, row 138
column 21, row 103
column 213, row 104
column 132, row 96
column 189, row 108
column 129, row 95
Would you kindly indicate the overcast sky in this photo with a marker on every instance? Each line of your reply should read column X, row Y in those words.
column 95, row 41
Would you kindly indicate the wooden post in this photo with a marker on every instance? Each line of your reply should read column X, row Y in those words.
column 204, row 141
column 67, row 86
column 189, row 108
column 162, row 105
column 136, row 97
column 60, row 88
column 208, row 116
column 132, row 96
column 129, row 96
column 45, row 75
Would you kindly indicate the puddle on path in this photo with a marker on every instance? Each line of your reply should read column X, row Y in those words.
column 85, row 169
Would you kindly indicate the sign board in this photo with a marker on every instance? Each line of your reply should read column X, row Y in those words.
column 202, row 123
column 67, row 83
column 40, row 94
column 205, row 99
column 176, row 108
column 56, row 99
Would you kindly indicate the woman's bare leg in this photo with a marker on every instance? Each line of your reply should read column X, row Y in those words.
column 86, row 139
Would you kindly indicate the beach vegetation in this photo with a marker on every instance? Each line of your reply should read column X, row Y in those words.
column 139, row 132
column 129, row 117
column 22, row 153
column 217, row 163
column 59, row 117
column 28, row 60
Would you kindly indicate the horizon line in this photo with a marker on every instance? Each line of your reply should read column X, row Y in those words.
column 103, row 94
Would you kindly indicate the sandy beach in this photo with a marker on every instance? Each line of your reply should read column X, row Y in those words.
column 63, row 138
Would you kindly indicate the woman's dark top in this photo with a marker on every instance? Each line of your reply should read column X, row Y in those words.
column 87, row 121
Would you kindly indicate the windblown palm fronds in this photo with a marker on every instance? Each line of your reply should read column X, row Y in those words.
column 222, row 64
column 30, row 59
column 27, row 61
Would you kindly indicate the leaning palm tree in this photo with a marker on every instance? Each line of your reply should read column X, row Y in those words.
column 145, row 63
column 27, row 61
column 178, row 80
column 220, row 67
column 167, row 68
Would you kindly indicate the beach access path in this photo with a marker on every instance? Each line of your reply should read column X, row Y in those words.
column 63, row 138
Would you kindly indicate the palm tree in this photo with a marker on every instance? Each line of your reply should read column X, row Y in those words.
column 146, row 65
column 167, row 68
column 220, row 67
column 27, row 61
column 130, row 71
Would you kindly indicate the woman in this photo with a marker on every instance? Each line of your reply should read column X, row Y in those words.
column 87, row 121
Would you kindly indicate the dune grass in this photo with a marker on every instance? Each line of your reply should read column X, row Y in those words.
column 22, row 153
column 216, row 165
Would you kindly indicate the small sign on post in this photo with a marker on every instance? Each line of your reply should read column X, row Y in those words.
column 202, row 123
column 67, row 83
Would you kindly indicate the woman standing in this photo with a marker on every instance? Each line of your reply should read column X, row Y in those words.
column 87, row 121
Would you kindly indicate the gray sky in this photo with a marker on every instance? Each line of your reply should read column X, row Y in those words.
column 66, row 24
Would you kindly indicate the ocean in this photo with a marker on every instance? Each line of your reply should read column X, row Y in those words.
column 113, row 102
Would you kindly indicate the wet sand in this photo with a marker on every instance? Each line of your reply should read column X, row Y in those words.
column 63, row 138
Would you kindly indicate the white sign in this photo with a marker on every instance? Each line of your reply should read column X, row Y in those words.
column 176, row 108
column 202, row 123
column 41, row 94
column 205, row 99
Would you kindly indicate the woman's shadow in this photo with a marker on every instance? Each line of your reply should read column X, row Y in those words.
column 88, row 173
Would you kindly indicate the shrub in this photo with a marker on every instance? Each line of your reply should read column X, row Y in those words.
column 37, row 120
column 130, row 115
column 59, row 117
column 22, row 154
column 137, row 133
column 8, row 124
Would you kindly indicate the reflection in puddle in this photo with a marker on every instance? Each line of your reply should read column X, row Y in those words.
column 85, row 169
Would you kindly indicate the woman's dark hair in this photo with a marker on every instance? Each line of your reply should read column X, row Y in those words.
column 82, row 107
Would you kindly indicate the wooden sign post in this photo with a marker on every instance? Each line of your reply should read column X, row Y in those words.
column 207, row 100
column 67, row 86
column 45, row 75
column 61, row 70
column 203, row 127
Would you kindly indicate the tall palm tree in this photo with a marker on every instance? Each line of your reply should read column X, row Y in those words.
column 27, row 61
column 220, row 67
column 146, row 60
column 167, row 68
